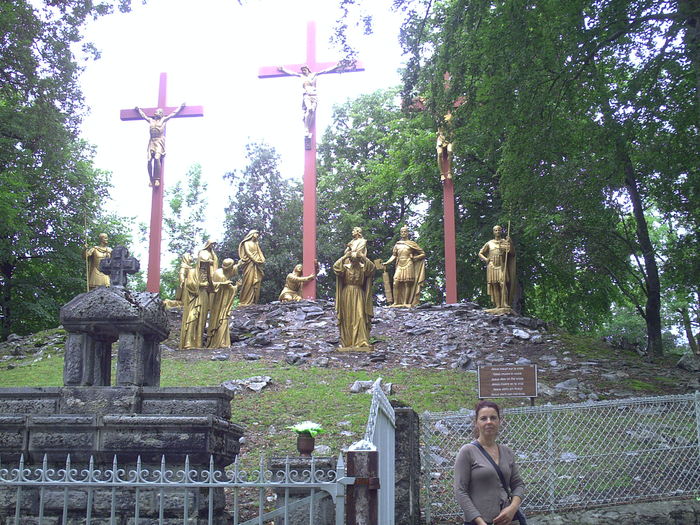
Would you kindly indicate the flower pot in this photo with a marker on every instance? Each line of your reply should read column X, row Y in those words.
column 305, row 444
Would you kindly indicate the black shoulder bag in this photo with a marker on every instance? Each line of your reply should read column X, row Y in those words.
column 519, row 516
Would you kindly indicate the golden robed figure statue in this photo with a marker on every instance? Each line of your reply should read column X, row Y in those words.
column 197, row 296
column 93, row 256
column 218, row 334
column 410, row 270
column 292, row 285
column 250, row 264
column 353, row 297
column 499, row 256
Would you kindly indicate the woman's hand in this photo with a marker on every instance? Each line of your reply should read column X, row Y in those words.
column 506, row 515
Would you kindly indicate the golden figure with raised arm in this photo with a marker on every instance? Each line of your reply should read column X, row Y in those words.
column 309, row 101
column 444, row 146
column 294, row 282
column 156, row 143
column 94, row 255
column 499, row 256
column 410, row 270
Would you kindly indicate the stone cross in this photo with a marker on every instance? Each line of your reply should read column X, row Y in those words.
column 119, row 265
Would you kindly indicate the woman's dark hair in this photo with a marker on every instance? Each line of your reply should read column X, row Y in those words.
column 486, row 404
column 483, row 404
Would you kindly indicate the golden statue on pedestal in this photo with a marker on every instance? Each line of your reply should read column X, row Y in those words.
column 410, row 271
column 353, row 300
column 251, row 261
column 499, row 256
column 292, row 285
column 218, row 334
column 93, row 256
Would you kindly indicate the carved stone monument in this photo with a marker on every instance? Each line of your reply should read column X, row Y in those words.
column 135, row 417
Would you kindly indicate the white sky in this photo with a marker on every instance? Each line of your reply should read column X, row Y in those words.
column 211, row 50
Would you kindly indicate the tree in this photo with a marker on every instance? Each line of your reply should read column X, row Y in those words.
column 573, row 102
column 264, row 201
column 49, row 189
column 184, row 224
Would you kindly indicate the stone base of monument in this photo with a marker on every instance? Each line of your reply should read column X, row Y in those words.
column 134, row 430
column 128, row 422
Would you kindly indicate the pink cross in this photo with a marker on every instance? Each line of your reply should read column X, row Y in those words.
column 309, row 214
column 156, row 229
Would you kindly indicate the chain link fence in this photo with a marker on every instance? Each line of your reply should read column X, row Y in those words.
column 578, row 455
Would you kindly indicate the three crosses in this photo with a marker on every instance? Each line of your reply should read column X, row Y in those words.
column 308, row 73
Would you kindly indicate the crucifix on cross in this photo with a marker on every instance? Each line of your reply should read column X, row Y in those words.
column 444, row 147
column 156, row 156
column 309, row 72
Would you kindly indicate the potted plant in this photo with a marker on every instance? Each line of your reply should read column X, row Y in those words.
column 306, row 436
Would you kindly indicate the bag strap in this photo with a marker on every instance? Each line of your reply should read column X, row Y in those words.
column 494, row 465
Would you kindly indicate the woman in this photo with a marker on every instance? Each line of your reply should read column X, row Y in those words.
column 477, row 485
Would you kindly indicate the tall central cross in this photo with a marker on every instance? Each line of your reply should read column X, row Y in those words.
column 156, row 228
column 308, row 76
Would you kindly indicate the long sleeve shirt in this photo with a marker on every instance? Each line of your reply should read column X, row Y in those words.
column 477, row 487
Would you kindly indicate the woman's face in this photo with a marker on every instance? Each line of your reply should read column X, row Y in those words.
column 488, row 422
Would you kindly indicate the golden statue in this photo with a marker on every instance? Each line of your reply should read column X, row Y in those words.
column 309, row 101
column 251, row 261
column 292, row 285
column 444, row 146
column 199, row 287
column 358, row 244
column 499, row 256
column 218, row 334
column 353, row 300
column 188, row 291
column 156, row 144
column 185, row 266
column 93, row 256
column 410, row 270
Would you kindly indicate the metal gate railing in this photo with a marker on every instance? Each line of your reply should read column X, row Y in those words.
column 578, row 455
column 191, row 495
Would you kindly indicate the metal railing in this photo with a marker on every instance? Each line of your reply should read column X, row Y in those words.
column 380, row 431
column 191, row 495
column 578, row 455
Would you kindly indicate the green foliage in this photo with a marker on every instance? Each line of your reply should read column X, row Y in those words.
column 586, row 114
column 262, row 200
column 49, row 190
column 184, row 225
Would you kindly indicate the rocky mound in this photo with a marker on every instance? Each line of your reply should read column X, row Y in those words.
column 461, row 336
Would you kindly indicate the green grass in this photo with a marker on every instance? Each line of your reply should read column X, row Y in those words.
column 295, row 394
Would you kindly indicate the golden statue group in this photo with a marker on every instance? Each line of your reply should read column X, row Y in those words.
column 207, row 291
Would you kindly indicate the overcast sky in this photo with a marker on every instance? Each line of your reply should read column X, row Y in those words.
column 211, row 50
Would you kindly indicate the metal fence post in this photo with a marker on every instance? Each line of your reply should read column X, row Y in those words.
column 697, row 421
column 551, row 473
column 362, row 502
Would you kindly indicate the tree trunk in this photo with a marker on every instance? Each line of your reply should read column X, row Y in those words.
column 651, row 270
column 690, row 9
column 7, row 270
column 688, row 326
